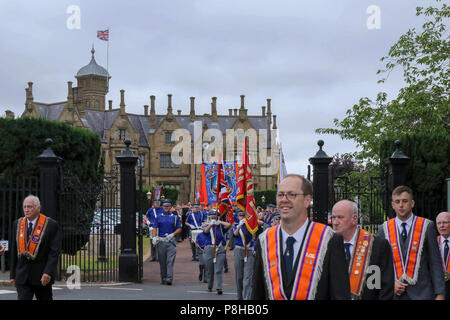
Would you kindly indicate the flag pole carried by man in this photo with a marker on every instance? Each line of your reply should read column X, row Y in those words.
column 245, row 198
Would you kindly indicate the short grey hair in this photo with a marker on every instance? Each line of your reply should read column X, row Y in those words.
column 35, row 199
column 353, row 206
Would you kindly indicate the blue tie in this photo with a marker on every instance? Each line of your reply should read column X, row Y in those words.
column 404, row 233
column 30, row 227
column 445, row 250
column 289, row 256
column 347, row 251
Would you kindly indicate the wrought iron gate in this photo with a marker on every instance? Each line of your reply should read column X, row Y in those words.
column 90, row 223
column 370, row 196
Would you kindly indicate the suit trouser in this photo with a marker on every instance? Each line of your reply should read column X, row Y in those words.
column 243, row 272
column 27, row 291
column 214, row 271
column 167, row 251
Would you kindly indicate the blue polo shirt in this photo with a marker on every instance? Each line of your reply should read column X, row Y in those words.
column 200, row 240
column 198, row 216
column 167, row 223
column 220, row 238
column 153, row 213
column 238, row 241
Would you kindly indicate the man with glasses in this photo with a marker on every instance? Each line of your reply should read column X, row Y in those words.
column 299, row 259
column 35, row 247
column 443, row 226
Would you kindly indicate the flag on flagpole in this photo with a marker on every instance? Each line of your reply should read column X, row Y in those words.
column 224, row 205
column 282, row 172
column 245, row 198
column 103, row 35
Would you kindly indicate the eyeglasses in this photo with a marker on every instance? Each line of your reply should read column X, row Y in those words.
column 290, row 195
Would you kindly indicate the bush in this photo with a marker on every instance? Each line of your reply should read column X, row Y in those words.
column 270, row 198
column 23, row 140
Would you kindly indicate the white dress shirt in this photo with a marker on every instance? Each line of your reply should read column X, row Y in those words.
column 352, row 242
column 408, row 226
column 298, row 235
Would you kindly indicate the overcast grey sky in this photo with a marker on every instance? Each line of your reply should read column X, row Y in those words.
column 314, row 59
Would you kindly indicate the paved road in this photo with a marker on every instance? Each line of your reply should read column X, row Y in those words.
column 186, row 285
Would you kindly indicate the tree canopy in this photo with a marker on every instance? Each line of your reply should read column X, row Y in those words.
column 422, row 106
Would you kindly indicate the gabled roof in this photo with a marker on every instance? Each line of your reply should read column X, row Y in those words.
column 50, row 111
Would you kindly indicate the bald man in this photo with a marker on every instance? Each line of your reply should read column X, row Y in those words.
column 443, row 226
column 368, row 256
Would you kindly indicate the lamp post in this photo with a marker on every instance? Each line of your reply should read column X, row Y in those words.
column 263, row 200
column 140, row 164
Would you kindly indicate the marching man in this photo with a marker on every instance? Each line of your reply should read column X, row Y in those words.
column 214, row 252
column 167, row 226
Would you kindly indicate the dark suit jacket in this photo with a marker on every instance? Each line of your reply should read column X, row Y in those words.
column 380, row 256
column 334, row 281
column 430, row 280
column 46, row 260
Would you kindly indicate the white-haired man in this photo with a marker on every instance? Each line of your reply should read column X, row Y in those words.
column 35, row 247
column 363, row 251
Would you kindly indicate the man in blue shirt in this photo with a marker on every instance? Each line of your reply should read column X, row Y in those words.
column 200, row 245
column 214, row 252
column 168, row 226
column 243, row 258
column 150, row 218
column 194, row 223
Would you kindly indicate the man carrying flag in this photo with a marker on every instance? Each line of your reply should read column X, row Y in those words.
column 245, row 198
column 224, row 205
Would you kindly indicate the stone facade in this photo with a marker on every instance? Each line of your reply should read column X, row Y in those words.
column 150, row 133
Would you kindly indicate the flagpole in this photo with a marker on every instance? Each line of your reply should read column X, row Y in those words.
column 107, row 57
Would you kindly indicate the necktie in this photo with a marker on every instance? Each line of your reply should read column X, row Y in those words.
column 445, row 250
column 30, row 227
column 347, row 251
column 404, row 233
column 289, row 255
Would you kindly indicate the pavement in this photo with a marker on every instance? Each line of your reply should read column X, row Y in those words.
column 185, row 286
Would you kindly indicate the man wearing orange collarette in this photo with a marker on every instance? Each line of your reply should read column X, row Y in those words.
column 35, row 247
column 443, row 225
column 299, row 259
column 368, row 256
column 415, row 253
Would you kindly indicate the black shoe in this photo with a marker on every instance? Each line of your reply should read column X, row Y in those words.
column 152, row 259
column 226, row 270
column 200, row 276
column 169, row 283
column 209, row 289
column 219, row 292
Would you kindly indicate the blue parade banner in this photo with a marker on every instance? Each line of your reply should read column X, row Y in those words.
column 210, row 179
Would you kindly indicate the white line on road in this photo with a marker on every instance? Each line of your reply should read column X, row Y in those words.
column 111, row 288
column 234, row 293
column 6, row 291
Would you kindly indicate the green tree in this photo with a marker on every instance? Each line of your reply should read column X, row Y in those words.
column 421, row 107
